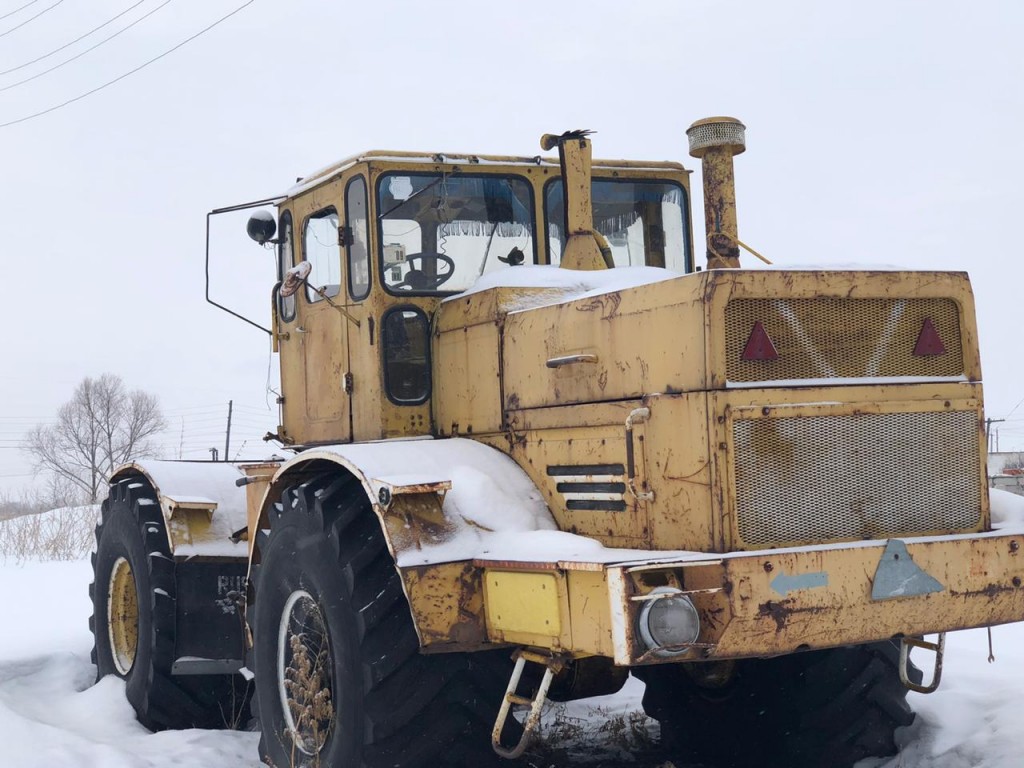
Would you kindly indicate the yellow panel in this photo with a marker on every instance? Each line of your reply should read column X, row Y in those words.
column 468, row 397
column 634, row 342
column 522, row 602
column 679, row 472
column 560, row 460
column 590, row 612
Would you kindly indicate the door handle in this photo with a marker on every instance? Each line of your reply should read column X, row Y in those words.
column 558, row 362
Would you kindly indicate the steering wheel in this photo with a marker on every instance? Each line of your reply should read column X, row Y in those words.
column 418, row 279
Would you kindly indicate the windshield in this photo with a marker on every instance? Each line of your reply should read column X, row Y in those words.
column 439, row 233
column 645, row 222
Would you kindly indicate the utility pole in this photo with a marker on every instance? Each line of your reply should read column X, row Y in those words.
column 227, row 437
column 988, row 432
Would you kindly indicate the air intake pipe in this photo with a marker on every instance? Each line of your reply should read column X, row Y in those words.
column 714, row 140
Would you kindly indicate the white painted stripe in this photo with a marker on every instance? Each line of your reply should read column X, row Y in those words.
column 592, row 496
column 619, row 623
column 845, row 380
column 588, row 478
column 891, row 326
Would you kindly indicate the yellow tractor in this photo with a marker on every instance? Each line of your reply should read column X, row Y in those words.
column 529, row 448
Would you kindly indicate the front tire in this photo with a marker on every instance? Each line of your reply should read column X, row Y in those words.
column 817, row 709
column 339, row 677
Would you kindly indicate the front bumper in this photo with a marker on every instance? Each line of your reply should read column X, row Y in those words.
column 778, row 601
column 762, row 603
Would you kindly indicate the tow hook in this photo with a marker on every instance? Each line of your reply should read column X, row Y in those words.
column 916, row 642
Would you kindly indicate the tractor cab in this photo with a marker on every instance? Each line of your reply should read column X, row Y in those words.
column 368, row 248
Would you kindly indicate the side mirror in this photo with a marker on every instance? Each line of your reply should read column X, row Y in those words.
column 261, row 227
column 294, row 278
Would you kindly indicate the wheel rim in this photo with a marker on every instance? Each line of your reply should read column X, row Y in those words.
column 122, row 616
column 305, row 673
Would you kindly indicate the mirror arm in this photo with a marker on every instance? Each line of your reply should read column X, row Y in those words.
column 323, row 295
column 208, row 299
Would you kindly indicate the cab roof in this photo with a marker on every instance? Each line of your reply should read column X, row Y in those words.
column 329, row 172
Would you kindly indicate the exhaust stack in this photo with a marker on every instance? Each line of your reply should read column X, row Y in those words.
column 714, row 140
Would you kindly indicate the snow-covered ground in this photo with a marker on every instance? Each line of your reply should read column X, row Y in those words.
column 52, row 715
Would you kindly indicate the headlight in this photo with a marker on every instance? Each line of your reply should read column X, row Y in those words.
column 668, row 624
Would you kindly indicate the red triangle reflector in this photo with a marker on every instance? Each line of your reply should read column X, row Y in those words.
column 759, row 345
column 929, row 343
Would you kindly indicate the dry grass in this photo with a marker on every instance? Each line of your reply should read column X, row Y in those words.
column 60, row 534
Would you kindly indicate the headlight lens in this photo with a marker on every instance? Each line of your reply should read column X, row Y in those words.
column 668, row 623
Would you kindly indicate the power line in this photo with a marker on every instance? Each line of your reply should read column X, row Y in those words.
column 129, row 72
column 77, row 39
column 1014, row 408
column 18, row 10
column 30, row 19
column 87, row 50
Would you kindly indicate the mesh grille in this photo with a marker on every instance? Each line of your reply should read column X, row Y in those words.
column 824, row 338
column 865, row 476
column 716, row 135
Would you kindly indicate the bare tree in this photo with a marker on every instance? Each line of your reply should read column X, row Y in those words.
column 101, row 426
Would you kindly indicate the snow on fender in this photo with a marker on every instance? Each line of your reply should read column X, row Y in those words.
column 200, row 502
column 479, row 495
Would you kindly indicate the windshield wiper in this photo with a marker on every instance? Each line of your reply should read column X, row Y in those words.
column 414, row 195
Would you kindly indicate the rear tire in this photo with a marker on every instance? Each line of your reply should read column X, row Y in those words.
column 819, row 709
column 340, row 680
column 133, row 620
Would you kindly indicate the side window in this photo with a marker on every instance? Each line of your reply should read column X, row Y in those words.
column 285, row 261
column 406, row 356
column 320, row 248
column 357, row 239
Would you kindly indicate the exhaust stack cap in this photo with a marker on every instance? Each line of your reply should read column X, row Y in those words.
column 714, row 132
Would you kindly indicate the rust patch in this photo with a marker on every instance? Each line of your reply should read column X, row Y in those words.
column 781, row 611
column 991, row 591
column 711, row 617
column 607, row 304
column 778, row 612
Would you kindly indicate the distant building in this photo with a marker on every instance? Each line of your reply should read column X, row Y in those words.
column 1006, row 471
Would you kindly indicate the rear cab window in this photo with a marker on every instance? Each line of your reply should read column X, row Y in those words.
column 645, row 221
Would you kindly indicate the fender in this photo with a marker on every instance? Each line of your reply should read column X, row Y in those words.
column 441, row 504
column 201, row 505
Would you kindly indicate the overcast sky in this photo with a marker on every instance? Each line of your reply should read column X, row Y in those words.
column 877, row 132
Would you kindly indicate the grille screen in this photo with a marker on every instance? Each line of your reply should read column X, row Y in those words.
column 824, row 338
column 865, row 476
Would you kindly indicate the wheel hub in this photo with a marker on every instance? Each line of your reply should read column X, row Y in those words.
column 122, row 616
column 305, row 673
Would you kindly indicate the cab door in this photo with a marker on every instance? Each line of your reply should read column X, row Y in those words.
column 314, row 353
column 322, row 331
column 286, row 341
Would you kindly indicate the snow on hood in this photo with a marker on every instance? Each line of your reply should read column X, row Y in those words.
column 571, row 283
